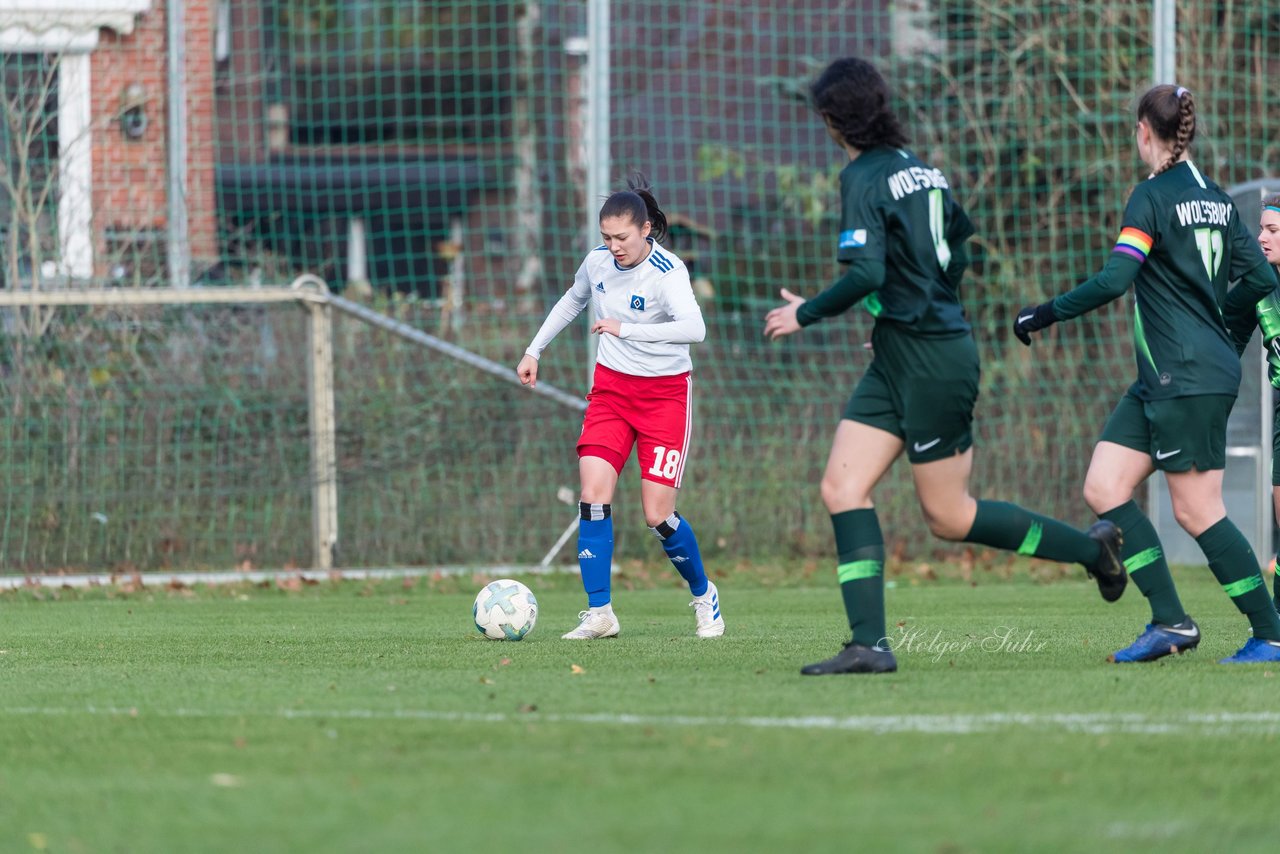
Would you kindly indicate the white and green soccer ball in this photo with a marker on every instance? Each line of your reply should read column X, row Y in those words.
column 505, row 610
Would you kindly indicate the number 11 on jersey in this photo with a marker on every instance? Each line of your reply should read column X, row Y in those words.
column 1209, row 240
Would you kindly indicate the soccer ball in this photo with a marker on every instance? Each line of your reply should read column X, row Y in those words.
column 505, row 610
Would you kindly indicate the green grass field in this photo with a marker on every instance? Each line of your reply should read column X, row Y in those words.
column 353, row 717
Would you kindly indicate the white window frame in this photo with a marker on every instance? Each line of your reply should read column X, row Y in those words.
column 68, row 29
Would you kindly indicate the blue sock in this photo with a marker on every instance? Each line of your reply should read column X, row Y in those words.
column 681, row 546
column 595, row 551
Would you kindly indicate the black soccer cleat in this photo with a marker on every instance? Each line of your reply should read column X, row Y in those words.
column 854, row 658
column 1108, row 570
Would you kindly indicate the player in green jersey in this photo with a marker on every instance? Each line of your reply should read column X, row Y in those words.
column 1269, row 322
column 1181, row 243
column 902, row 244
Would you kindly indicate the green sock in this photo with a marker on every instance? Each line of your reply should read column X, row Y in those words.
column 1010, row 527
column 1144, row 558
column 1234, row 565
column 860, row 548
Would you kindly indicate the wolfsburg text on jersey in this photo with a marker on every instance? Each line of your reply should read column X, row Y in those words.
column 913, row 178
column 1203, row 212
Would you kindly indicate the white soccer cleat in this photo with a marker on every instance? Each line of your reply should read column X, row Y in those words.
column 706, row 610
column 596, row 623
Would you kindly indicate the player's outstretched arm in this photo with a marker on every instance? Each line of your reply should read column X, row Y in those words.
column 1110, row 283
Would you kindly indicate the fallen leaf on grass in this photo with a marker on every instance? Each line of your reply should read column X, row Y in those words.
column 289, row 582
column 226, row 781
column 576, row 670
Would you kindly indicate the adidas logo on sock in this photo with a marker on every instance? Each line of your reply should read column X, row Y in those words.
column 585, row 554
column 679, row 559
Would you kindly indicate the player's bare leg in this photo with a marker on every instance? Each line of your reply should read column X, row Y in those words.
column 1197, row 505
column 942, row 487
column 1115, row 473
column 860, row 456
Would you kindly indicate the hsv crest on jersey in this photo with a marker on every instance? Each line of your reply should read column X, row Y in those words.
column 637, row 302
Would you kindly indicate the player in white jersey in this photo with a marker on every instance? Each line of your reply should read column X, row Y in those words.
column 641, row 396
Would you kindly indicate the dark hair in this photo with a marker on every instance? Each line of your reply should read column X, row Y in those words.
column 1171, row 112
column 638, row 205
column 853, row 97
column 1272, row 201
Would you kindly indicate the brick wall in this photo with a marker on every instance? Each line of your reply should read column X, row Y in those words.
column 130, row 177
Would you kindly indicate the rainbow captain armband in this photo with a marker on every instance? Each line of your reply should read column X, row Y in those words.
column 1135, row 243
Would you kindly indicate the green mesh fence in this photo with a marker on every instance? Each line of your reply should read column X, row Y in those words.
column 432, row 159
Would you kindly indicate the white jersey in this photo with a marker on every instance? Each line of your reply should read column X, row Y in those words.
column 653, row 301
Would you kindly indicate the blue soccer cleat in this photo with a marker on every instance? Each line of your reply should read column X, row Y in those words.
column 1255, row 651
column 1160, row 640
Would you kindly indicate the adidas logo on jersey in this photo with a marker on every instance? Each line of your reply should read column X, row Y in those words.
column 585, row 554
column 600, row 287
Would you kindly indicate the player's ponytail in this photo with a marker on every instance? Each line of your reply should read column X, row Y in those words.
column 638, row 205
column 639, row 185
column 1170, row 111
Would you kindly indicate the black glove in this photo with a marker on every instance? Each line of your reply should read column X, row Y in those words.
column 1033, row 318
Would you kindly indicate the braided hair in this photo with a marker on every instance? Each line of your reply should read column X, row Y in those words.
column 638, row 205
column 1170, row 111
column 854, row 99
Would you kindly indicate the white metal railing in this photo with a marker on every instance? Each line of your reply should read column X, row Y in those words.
column 312, row 293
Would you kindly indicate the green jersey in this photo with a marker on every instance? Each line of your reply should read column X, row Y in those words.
column 1181, row 242
column 898, row 218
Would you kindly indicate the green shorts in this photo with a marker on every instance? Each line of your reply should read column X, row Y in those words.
column 921, row 390
column 1179, row 434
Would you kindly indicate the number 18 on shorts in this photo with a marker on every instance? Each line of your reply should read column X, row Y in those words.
column 652, row 414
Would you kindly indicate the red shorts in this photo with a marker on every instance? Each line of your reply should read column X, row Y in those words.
column 653, row 413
